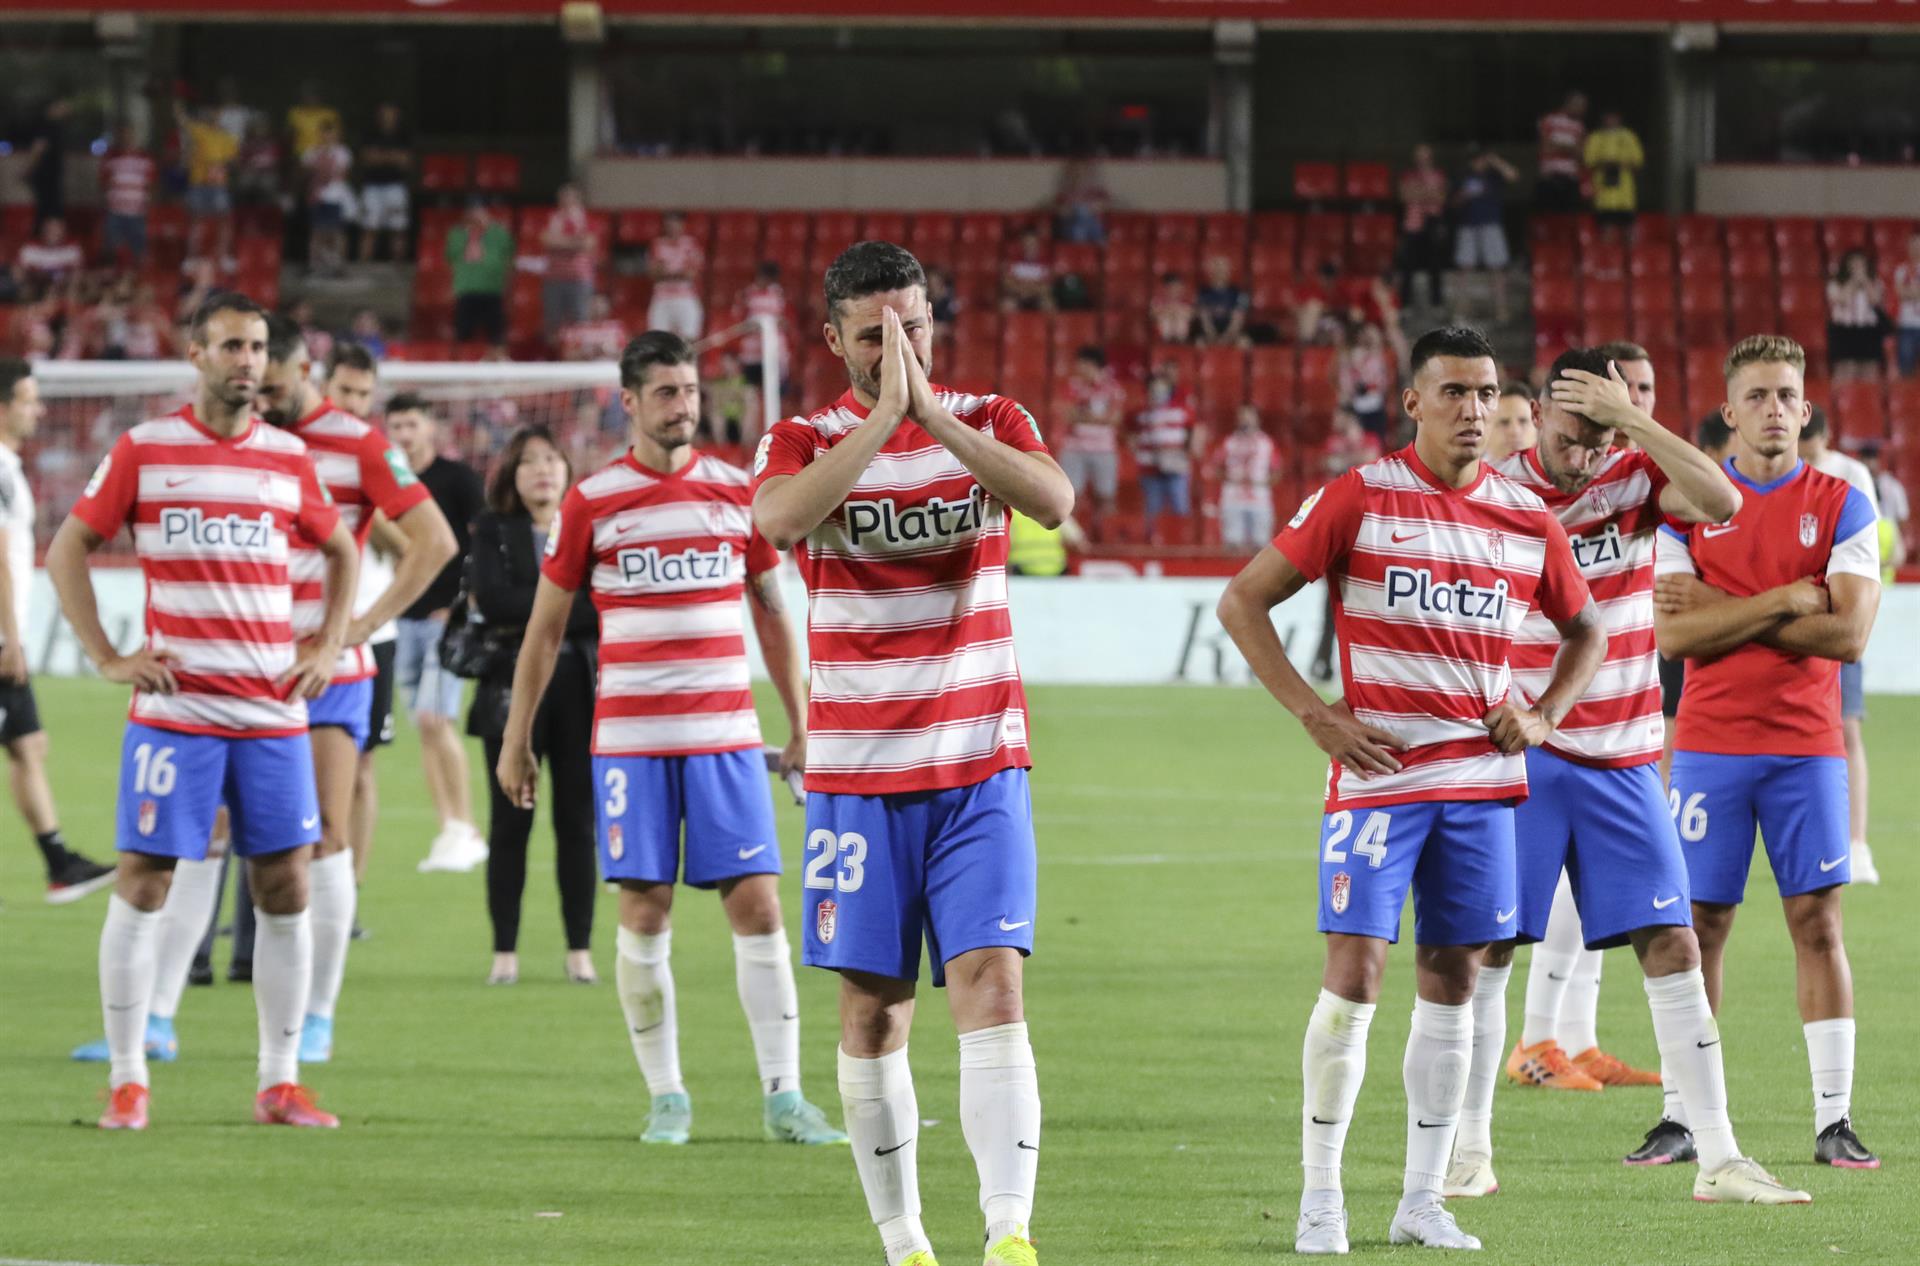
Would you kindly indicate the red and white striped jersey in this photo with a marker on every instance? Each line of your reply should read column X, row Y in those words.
column 678, row 260
column 1103, row 397
column 769, row 300
column 363, row 473
column 915, row 684
column 1247, row 460
column 592, row 340
column 1431, row 584
column 214, row 522
column 128, row 176
column 668, row 556
column 1611, row 524
column 1562, row 140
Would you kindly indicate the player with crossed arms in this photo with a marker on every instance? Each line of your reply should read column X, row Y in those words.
column 216, row 499
column 1435, row 560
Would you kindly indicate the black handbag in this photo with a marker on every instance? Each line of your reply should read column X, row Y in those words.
column 472, row 650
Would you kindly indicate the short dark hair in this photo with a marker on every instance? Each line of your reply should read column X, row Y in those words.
column 1519, row 387
column 1092, row 353
column 1816, row 426
column 410, row 402
column 285, row 339
column 1712, row 431
column 216, row 303
column 348, row 354
column 1462, row 341
column 1592, row 360
column 503, row 496
column 1623, row 350
column 870, row 268
column 644, row 351
column 13, row 372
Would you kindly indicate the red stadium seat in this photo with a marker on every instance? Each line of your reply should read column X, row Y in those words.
column 1273, row 380
column 931, row 239
column 1176, row 227
column 1697, row 231
column 1840, row 234
column 1316, row 182
column 444, row 173
column 1560, row 229
column 1319, row 388
column 1072, row 331
column 1367, row 182
column 1178, row 256
column 1281, row 228
column 636, row 228
column 1649, row 259
column 1273, row 260
column 1130, row 228
column 1890, row 239
column 833, row 232
column 736, row 232
column 1555, row 259
column 1225, row 233
column 1373, row 237
column 1556, row 296
column 1859, row 410
column 1706, row 385
column 1803, row 298
column 1700, row 261
column 1903, row 412
column 497, row 173
column 1603, row 258
column 1744, row 231
column 785, row 231
column 1222, row 382
column 1753, row 304
column 884, row 226
column 1653, row 228
column 1750, row 261
column 1653, row 298
column 1798, row 236
column 1323, row 239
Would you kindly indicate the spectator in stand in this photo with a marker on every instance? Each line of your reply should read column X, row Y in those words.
column 1090, row 455
column 1423, row 226
column 319, row 342
column 366, row 331
column 1080, row 207
column 1221, row 319
column 1368, row 376
column 49, row 263
column 724, row 400
column 46, row 162
column 1614, row 159
column 503, row 572
column 307, row 120
column 256, row 168
column 1027, row 283
column 210, row 153
column 480, row 253
column 676, row 260
column 1895, row 509
column 1856, row 318
column 764, row 296
column 1172, row 310
column 201, row 280
column 1166, row 441
column 569, row 244
column 1248, row 466
column 386, row 167
column 1480, row 241
column 1563, row 140
column 1906, row 289
column 943, row 305
column 126, row 177
column 598, row 337
column 1316, row 318
column 1515, row 425
column 232, row 115
column 1348, row 445
column 330, row 201
column 129, row 325
column 1071, row 293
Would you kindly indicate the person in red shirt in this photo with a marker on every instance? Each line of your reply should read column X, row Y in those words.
column 598, row 337
column 49, row 262
column 1166, row 440
column 764, row 296
column 676, row 259
column 1090, row 453
column 1027, row 284
column 570, row 248
column 1423, row 227
column 1563, row 146
column 126, row 178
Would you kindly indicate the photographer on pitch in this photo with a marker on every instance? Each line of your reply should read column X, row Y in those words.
column 503, row 570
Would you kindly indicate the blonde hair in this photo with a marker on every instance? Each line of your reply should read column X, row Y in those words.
column 1765, row 349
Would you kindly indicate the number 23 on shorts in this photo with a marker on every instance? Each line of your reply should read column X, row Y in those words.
column 824, row 848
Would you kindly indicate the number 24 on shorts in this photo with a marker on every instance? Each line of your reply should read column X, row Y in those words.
column 1372, row 841
column 850, row 849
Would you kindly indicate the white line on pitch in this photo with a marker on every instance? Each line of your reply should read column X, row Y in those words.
column 35, row 1261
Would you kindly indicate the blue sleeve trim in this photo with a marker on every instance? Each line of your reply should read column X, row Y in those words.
column 1856, row 515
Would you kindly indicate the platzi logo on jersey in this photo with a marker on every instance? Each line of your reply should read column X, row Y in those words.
column 1601, row 547
column 938, row 519
column 650, row 567
column 1407, row 586
column 232, row 531
column 1809, row 530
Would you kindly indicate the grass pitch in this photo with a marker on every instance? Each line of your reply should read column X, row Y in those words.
column 1175, row 970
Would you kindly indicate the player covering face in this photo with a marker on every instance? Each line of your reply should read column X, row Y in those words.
column 1434, row 562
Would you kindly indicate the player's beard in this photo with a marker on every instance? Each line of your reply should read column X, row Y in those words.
column 676, row 434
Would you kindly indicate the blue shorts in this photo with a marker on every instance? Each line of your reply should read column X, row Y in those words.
column 347, row 705
column 172, row 784
column 1853, row 691
column 1611, row 830
column 956, row 868
column 1455, row 855
column 722, row 798
column 1798, row 802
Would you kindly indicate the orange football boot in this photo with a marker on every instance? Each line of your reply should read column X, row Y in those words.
column 1545, row 1065
column 127, row 1109
column 1610, row 1071
column 291, row 1104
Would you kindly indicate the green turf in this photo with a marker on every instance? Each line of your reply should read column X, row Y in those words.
column 1176, row 968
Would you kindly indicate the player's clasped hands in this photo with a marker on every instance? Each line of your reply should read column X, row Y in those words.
column 145, row 669
column 895, row 395
column 1514, row 729
column 1360, row 748
column 1603, row 400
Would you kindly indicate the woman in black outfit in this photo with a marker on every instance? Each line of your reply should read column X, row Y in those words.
column 503, row 570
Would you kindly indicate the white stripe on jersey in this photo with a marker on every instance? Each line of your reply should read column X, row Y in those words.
column 1412, row 670
column 659, row 624
column 1494, row 771
column 893, row 751
column 227, row 713
column 670, row 522
column 264, row 604
column 214, row 483
column 1436, row 541
column 675, row 676
column 225, row 657
column 1418, row 729
column 667, row 733
column 1615, row 679
column 927, row 677
column 924, row 607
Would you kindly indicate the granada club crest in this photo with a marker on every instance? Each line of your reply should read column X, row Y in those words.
column 1342, row 891
column 1496, row 549
column 616, row 841
column 149, row 817
column 1809, row 530
column 826, row 921
column 717, row 517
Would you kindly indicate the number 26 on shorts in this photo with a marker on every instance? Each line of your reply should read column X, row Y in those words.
column 823, row 848
column 1691, row 817
column 1372, row 841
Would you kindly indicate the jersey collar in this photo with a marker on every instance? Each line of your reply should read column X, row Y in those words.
column 319, row 411
column 1426, row 476
column 1764, row 489
column 628, row 457
column 193, row 419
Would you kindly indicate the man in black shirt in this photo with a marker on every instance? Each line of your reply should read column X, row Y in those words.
column 386, row 165
column 434, row 693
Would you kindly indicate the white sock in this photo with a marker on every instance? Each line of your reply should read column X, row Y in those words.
column 1552, row 967
column 1830, row 1055
column 1333, row 1063
column 282, row 974
column 127, row 941
column 763, row 971
column 1580, row 1010
column 883, row 1122
column 1692, row 1058
column 1489, row 1053
column 1000, row 1116
column 1439, row 1053
column 183, row 925
column 331, row 898
column 644, row 978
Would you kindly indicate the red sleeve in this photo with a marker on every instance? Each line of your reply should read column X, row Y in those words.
column 1563, row 590
column 787, row 449
column 1325, row 526
column 386, row 479
column 1015, row 427
column 761, row 555
column 317, row 516
column 109, row 495
column 570, row 543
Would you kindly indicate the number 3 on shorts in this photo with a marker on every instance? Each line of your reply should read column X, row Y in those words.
column 616, row 793
column 1371, row 845
column 851, row 874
